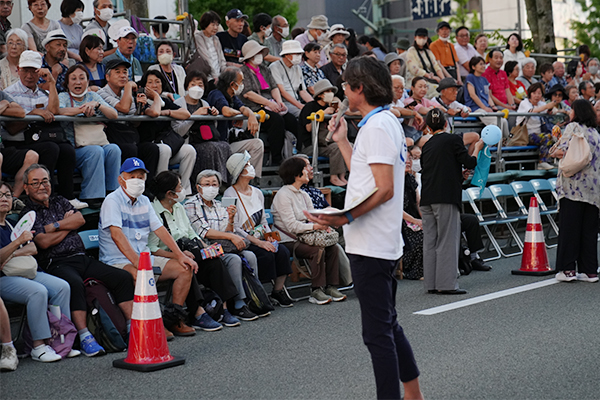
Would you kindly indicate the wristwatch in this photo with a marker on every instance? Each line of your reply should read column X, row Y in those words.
column 97, row 107
column 56, row 226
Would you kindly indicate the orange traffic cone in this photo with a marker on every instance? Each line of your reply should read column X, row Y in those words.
column 535, row 258
column 148, row 350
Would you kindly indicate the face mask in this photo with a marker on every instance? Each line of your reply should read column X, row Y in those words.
column 328, row 97
column 134, row 187
column 285, row 32
column 593, row 70
column 78, row 95
column 258, row 59
column 268, row 32
column 296, row 59
column 251, row 173
column 165, row 59
column 209, row 192
column 180, row 196
column 239, row 90
column 78, row 17
column 421, row 42
column 106, row 14
column 416, row 165
column 196, row 92
column 444, row 39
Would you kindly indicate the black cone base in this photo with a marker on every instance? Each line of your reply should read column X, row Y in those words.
column 149, row 367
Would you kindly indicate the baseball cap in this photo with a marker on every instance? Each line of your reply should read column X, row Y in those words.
column 31, row 59
column 112, row 64
column 126, row 30
column 133, row 164
column 443, row 24
column 235, row 13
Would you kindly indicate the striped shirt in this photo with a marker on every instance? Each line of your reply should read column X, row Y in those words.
column 29, row 100
column 136, row 220
column 204, row 217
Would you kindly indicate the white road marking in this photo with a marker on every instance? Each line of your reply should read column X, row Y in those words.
column 486, row 297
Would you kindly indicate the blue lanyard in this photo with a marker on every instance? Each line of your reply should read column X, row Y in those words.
column 130, row 61
column 370, row 114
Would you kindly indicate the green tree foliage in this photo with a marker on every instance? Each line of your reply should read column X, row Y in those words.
column 463, row 17
column 588, row 31
column 287, row 8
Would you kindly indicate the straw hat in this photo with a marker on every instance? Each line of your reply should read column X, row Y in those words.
column 252, row 48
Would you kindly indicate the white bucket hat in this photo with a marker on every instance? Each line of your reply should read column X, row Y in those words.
column 337, row 29
column 291, row 47
column 318, row 22
column 56, row 34
column 236, row 164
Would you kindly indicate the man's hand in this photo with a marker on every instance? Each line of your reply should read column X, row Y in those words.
column 478, row 146
column 47, row 115
column 341, row 133
column 187, row 262
column 326, row 220
column 253, row 124
column 69, row 213
column 47, row 75
column 189, row 254
column 130, row 85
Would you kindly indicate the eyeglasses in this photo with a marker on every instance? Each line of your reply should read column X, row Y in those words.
column 207, row 186
column 344, row 85
column 340, row 54
column 37, row 184
column 7, row 195
column 6, row 3
column 463, row 36
column 14, row 44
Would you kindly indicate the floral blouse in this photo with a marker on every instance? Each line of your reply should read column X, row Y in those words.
column 584, row 186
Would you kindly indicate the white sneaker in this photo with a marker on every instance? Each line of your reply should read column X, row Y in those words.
column 73, row 353
column 45, row 353
column 585, row 278
column 566, row 276
column 544, row 165
column 9, row 360
column 78, row 204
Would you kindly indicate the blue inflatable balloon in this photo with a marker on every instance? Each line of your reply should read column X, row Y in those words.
column 491, row 135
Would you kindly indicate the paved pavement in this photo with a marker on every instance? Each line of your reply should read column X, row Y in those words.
column 538, row 344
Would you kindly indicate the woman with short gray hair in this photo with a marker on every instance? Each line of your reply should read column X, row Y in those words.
column 16, row 43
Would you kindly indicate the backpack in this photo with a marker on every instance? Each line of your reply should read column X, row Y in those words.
column 105, row 319
column 144, row 49
column 63, row 336
column 256, row 297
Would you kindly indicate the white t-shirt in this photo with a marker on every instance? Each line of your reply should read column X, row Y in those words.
column 378, row 233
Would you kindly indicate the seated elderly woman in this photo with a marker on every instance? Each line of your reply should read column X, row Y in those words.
column 16, row 43
column 172, row 147
column 273, row 260
column 213, row 222
column 211, row 271
column 97, row 159
column 36, row 290
column 288, row 206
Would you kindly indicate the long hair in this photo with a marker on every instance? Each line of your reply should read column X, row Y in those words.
column 584, row 113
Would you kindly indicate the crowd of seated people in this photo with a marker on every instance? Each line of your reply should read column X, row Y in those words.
column 53, row 68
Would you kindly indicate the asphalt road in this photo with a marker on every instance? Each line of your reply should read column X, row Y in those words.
column 538, row 344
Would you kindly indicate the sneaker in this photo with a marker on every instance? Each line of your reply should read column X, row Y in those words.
column 245, row 314
column 317, row 296
column 566, row 276
column 206, row 323
column 265, row 314
column 335, row 294
column 544, row 165
column 73, row 353
column 45, row 353
column 78, row 204
column 9, row 359
column 182, row 329
column 587, row 277
column 90, row 347
column 169, row 335
column 229, row 320
column 282, row 298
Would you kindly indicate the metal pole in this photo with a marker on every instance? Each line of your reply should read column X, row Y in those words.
column 519, row 23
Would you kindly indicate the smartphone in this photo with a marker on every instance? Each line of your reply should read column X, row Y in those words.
column 229, row 201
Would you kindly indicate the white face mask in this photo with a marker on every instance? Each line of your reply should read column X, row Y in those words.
column 593, row 69
column 285, row 32
column 416, row 165
column 165, row 59
column 250, row 172
column 239, row 90
column 134, row 187
column 106, row 14
column 296, row 59
column 444, row 39
column 328, row 97
column 421, row 42
column 78, row 17
column 257, row 60
column 209, row 192
column 196, row 92
column 268, row 32
column 78, row 95
column 180, row 196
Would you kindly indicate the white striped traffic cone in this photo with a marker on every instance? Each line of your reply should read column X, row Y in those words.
column 148, row 349
column 535, row 258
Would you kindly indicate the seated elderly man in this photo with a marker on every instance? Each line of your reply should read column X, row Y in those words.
column 400, row 110
column 56, row 49
column 126, row 220
column 528, row 67
column 61, row 253
column 126, row 43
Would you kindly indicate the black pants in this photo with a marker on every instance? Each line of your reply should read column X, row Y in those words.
column 76, row 269
column 577, row 239
column 275, row 128
column 470, row 226
column 271, row 265
column 59, row 157
column 213, row 274
column 147, row 152
column 391, row 353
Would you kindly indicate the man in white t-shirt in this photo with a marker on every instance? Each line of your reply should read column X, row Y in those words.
column 372, row 230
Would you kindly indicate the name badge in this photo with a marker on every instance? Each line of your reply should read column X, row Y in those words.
column 138, row 235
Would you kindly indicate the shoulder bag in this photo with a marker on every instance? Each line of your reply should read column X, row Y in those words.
column 88, row 133
column 578, row 154
column 519, row 136
column 24, row 266
column 39, row 132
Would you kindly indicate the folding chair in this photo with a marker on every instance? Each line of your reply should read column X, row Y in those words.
column 524, row 188
column 502, row 195
column 552, row 182
column 485, row 224
column 499, row 218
